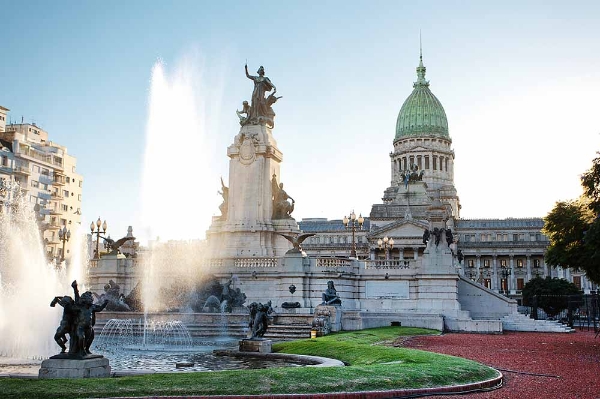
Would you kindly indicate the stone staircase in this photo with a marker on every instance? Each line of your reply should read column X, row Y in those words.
column 520, row 322
column 236, row 330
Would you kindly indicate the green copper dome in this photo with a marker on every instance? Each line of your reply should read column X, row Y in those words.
column 422, row 113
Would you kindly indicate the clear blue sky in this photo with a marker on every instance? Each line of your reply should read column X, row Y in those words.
column 519, row 82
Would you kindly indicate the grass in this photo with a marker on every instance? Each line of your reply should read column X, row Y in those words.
column 373, row 364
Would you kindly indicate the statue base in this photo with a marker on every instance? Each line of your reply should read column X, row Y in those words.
column 255, row 345
column 95, row 367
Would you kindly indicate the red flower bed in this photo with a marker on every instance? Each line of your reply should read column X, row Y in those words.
column 535, row 365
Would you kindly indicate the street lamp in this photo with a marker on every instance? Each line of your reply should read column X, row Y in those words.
column 63, row 236
column 352, row 223
column 386, row 244
column 95, row 228
column 505, row 273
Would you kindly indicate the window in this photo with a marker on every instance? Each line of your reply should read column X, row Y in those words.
column 80, row 183
column 486, row 263
column 577, row 281
column 446, row 164
column 520, row 283
column 68, row 179
column 502, row 262
column 471, row 263
column 434, row 162
column 65, row 193
column 537, row 263
column 79, row 197
column 4, row 161
column 488, row 283
column 426, row 162
column 519, row 262
column 515, row 237
column 65, row 208
column 35, row 184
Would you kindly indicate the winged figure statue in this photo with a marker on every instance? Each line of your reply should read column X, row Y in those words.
column 113, row 246
column 296, row 240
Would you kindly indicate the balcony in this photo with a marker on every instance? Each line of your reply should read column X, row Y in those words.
column 46, row 179
column 57, row 196
column 22, row 170
column 44, row 195
column 59, row 179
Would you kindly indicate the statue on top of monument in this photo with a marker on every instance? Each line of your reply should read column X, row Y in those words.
column 282, row 208
column 260, row 110
column 225, row 193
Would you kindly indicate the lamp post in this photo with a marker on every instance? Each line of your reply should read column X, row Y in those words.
column 352, row 223
column 63, row 236
column 95, row 228
column 505, row 272
column 386, row 244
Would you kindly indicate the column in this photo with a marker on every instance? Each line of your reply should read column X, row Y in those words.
column 528, row 267
column 513, row 279
column 495, row 273
column 402, row 253
column 478, row 266
column 415, row 253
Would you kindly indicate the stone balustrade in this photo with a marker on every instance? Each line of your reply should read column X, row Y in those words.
column 255, row 262
column 333, row 262
column 387, row 264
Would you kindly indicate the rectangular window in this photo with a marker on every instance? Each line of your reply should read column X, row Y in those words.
column 471, row 263
column 446, row 164
column 65, row 208
column 35, row 184
column 486, row 263
column 577, row 281
column 519, row 262
column 515, row 237
column 80, row 183
column 426, row 162
column 520, row 283
column 79, row 197
column 66, row 193
column 434, row 162
column 68, row 179
column 537, row 263
column 502, row 262
column 488, row 283
column 504, row 284
column 4, row 161
column 419, row 163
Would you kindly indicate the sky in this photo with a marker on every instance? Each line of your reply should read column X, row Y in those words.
column 144, row 95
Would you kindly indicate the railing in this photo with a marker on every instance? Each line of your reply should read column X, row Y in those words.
column 211, row 263
column 255, row 262
column 22, row 169
column 387, row 264
column 333, row 262
column 579, row 310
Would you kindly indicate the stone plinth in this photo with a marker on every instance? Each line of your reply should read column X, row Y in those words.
column 71, row 368
column 255, row 345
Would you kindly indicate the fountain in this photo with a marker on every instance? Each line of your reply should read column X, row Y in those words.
column 27, row 284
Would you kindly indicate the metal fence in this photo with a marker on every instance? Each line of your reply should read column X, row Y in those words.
column 578, row 311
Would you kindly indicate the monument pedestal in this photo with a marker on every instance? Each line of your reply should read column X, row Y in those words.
column 72, row 368
column 256, row 345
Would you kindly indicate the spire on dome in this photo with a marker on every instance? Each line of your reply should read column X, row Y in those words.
column 421, row 68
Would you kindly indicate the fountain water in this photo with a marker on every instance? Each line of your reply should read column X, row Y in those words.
column 28, row 284
column 143, row 335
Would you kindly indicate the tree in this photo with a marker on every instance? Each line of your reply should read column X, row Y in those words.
column 552, row 294
column 573, row 228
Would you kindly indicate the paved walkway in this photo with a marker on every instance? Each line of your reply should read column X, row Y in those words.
column 535, row 365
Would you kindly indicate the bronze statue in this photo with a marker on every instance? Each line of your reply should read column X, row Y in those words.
column 296, row 241
column 437, row 233
column 79, row 317
column 330, row 296
column 449, row 237
column 113, row 246
column 225, row 193
column 282, row 208
column 260, row 108
column 426, row 236
column 259, row 320
column 245, row 111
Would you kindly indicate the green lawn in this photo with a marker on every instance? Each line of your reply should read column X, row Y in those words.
column 373, row 364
